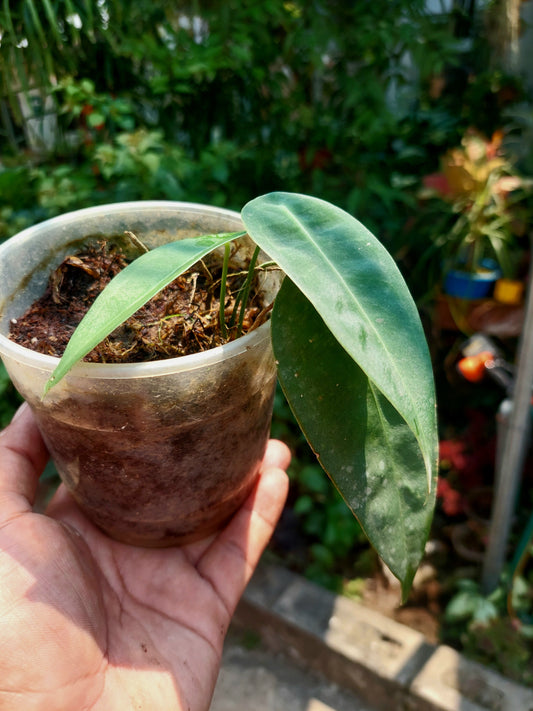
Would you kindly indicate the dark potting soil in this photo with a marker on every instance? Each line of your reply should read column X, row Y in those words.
column 181, row 319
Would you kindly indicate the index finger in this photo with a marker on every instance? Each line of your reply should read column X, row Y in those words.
column 23, row 456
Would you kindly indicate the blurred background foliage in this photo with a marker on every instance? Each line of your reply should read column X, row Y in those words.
column 218, row 101
column 221, row 101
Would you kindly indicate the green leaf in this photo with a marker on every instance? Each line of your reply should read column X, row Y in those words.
column 355, row 286
column 95, row 119
column 53, row 21
column 36, row 25
column 362, row 442
column 462, row 606
column 131, row 289
column 485, row 611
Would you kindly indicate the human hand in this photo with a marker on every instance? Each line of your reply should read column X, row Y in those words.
column 90, row 624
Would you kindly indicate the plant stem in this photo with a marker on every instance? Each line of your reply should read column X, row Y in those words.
column 222, row 316
column 137, row 242
column 246, row 289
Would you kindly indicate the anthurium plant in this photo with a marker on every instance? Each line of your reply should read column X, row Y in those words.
column 351, row 355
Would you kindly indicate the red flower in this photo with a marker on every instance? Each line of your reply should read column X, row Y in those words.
column 438, row 182
column 453, row 452
column 452, row 501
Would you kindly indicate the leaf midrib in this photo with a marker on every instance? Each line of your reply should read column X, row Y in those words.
column 359, row 309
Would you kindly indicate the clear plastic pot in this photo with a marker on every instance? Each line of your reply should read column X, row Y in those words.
column 157, row 453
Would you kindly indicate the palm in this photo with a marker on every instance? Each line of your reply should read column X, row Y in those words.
column 88, row 623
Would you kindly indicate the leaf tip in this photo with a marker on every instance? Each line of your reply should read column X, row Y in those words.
column 52, row 380
column 47, row 386
column 406, row 585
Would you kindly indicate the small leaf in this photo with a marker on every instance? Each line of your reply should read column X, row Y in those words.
column 462, row 606
column 95, row 119
column 131, row 289
column 485, row 611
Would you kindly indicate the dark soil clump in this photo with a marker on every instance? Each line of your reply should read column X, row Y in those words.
column 181, row 319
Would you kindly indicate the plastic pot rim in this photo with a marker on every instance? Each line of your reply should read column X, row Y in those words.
column 63, row 220
column 141, row 369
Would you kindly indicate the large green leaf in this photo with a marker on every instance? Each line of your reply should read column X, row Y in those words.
column 355, row 286
column 132, row 288
column 366, row 447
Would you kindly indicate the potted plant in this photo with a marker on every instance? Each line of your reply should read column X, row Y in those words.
column 348, row 349
column 477, row 190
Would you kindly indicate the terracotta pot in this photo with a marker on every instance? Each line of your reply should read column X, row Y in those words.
column 158, row 453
